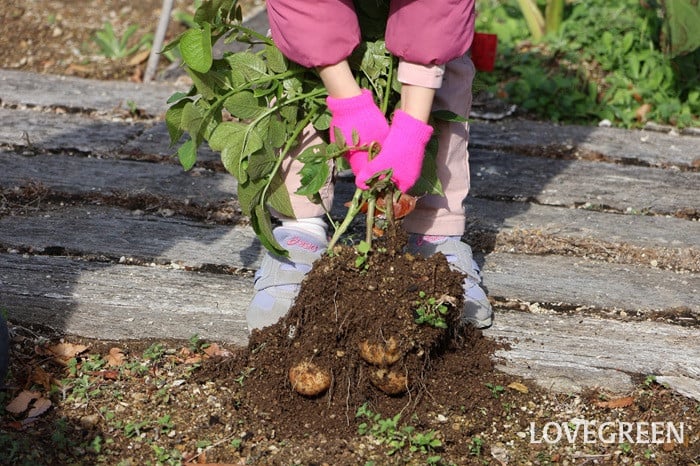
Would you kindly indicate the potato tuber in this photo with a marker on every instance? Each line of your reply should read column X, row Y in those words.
column 308, row 379
column 390, row 382
column 380, row 354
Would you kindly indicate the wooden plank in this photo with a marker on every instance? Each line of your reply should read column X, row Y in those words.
column 621, row 145
column 110, row 301
column 85, row 175
column 156, row 141
column 572, row 353
column 116, row 233
column 580, row 282
column 638, row 230
column 497, row 175
column 68, row 132
column 22, row 88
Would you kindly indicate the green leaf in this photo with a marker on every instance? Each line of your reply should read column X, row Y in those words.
column 428, row 182
column 250, row 194
column 251, row 65
column 446, row 115
column 195, row 47
column 275, row 60
column 244, row 105
column 235, row 143
column 289, row 114
column 314, row 153
column 191, row 120
column 177, row 96
column 173, row 121
column 260, row 165
column 276, row 132
column 314, row 176
column 187, row 154
column 262, row 225
column 322, row 122
column 279, row 197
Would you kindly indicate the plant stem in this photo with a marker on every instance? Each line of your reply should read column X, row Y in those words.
column 371, row 208
column 353, row 210
column 387, row 91
column 283, row 153
column 389, row 207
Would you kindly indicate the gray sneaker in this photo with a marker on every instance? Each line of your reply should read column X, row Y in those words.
column 477, row 309
column 278, row 280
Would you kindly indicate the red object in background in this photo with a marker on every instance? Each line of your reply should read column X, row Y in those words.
column 484, row 51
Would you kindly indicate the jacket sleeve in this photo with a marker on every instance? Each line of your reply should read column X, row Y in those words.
column 314, row 32
column 430, row 32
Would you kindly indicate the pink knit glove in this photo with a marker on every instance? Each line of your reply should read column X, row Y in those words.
column 403, row 151
column 361, row 114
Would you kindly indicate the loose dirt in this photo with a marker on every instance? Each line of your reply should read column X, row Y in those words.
column 69, row 400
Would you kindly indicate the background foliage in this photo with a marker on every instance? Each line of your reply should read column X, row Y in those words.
column 605, row 61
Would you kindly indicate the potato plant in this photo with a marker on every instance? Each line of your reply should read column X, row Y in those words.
column 252, row 105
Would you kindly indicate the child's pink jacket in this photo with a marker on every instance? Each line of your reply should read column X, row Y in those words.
column 324, row 32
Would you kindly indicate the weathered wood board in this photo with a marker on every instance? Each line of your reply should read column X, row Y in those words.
column 85, row 175
column 17, row 87
column 498, row 175
column 637, row 147
column 112, row 301
column 571, row 353
column 495, row 176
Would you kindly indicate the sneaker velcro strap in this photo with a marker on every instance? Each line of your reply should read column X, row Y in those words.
column 279, row 272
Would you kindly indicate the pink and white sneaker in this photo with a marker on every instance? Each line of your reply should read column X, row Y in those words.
column 278, row 280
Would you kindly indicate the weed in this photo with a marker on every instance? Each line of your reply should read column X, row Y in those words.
column 388, row 432
column 197, row 344
column 165, row 423
column 154, row 352
column 649, row 380
column 362, row 259
column 133, row 428
column 202, row 444
column 626, row 448
column 243, row 375
column 430, row 311
column 165, row 456
column 508, row 408
column 476, row 446
column 544, row 458
column 496, row 390
column 112, row 46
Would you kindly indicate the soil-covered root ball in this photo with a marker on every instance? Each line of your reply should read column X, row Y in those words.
column 381, row 354
column 308, row 379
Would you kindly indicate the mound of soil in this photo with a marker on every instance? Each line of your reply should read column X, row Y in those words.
column 356, row 329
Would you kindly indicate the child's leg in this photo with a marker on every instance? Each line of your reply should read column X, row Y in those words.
column 438, row 222
column 305, row 237
column 444, row 215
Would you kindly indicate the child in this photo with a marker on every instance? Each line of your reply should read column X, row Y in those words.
column 431, row 39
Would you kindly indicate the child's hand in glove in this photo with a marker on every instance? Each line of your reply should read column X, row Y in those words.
column 359, row 114
column 402, row 151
